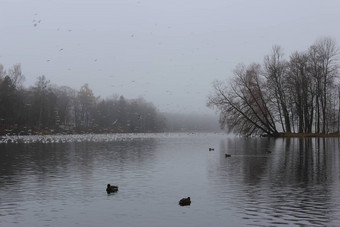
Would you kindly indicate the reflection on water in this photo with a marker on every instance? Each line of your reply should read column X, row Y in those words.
column 264, row 182
column 297, row 183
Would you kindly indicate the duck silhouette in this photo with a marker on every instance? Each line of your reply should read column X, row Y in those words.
column 110, row 188
column 185, row 202
column 227, row 155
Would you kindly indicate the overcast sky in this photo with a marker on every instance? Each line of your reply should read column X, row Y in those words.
column 167, row 51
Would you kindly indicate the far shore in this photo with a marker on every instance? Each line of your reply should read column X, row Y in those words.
column 31, row 130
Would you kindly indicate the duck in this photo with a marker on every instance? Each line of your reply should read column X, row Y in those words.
column 110, row 188
column 185, row 202
column 211, row 149
column 227, row 155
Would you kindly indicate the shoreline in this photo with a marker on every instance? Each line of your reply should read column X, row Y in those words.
column 307, row 135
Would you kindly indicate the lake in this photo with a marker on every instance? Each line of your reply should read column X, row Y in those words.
column 61, row 180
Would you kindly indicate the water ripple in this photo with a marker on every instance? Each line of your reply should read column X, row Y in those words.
column 64, row 183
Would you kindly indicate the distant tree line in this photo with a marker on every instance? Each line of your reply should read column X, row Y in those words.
column 301, row 94
column 45, row 107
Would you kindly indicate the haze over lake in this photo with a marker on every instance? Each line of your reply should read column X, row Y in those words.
column 168, row 52
column 61, row 180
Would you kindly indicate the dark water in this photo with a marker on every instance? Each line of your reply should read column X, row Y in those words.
column 63, row 183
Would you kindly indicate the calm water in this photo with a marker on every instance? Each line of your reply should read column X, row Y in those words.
column 61, row 181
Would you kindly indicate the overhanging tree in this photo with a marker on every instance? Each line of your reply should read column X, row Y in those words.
column 243, row 103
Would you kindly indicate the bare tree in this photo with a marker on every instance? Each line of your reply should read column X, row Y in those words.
column 87, row 103
column 41, row 100
column 327, row 55
column 16, row 76
column 243, row 103
column 276, row 73
column 2, row 73
column 302, row 86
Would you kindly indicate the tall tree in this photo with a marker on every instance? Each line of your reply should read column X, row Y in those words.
column 314, row 71
column 16, row 76
column 276, row 73
column 41, row 104
column 327, row 54
column 302, row 85
column 8, row 100
column 87, row 104
column 2, row 73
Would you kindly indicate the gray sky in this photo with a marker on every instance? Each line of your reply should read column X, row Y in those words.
column 167, row 51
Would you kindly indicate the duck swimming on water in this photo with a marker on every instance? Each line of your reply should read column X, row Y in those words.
column 110, row 188
column 185, row 202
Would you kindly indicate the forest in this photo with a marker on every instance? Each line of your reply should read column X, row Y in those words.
column 300, row 94
column 46, row 108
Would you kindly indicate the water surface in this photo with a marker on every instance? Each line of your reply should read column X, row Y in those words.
column 61, row 180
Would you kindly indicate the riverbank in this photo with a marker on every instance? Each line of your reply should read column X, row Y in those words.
column 311, row 135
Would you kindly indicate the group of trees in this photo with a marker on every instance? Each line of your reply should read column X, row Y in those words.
column 49, row 107
column 301, row 94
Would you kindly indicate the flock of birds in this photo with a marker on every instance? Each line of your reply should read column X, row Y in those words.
column 63, row 138
column 66, row 138
column 79, row 138
column 114, row 188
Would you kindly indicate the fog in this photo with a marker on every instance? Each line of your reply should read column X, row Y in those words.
column 191, row 123
column 168, row 52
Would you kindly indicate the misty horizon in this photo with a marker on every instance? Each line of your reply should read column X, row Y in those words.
column 166, row 52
